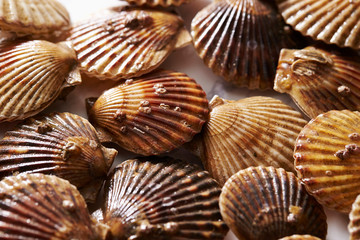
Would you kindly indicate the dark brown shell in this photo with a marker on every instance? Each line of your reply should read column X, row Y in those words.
column 269, row 203
column 319, row 81
column 156, row 3
column 127, row 43
column 254, row 131
column 240, row 40
column 327, row 158
column 152, row 114
column 162, row 199
column 38, row 206
column 62, row 144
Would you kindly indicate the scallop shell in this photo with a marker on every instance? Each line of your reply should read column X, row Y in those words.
column 354, row 227
column 327, row 158
column 153, row 114
column 336, row 21
column 128, row 43
column 319, row 81
column 300, row 237
column 240, row 40
column 162, row 199
column 32, row 75
column 269, row 203
column 62, row 144
column 33, row 16
column 37, row 206
column 248, row 132
column 157, row 3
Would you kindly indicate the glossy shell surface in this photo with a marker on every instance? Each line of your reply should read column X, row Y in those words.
column 354, row 216
column 127, row 43
column 32, row 75
column 318, row 80
column 327, row 158
column 152, row 114
column 37, row 206
column 249, row 132
column 269, row 203
column 162, row 199
column 336, row 21
column 300, row 237
column 39, row 17
column 156, row 3
column 240, row 40
column 61, row 144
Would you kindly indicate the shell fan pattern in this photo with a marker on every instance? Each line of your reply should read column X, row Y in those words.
column 240, row 40
column 152, row 114
column 61, row 144
column 162, row 199
column 260, row 203
column 127, row 43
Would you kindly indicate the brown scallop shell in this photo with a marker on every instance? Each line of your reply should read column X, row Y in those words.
column 37, row 206
column 39, row 17
column 127, row 43
column 300, row 237
column 319, row 81
column 157, row 3
column 61, row 144
column 152, row 114
column 162, row 199
column 32, row 75
column 354, row 216
column 249, row 132
column 269, row 203
column 327, row 158
column 240, row 40
column 336, row 21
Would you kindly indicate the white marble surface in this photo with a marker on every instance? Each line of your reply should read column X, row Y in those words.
column 184, row 60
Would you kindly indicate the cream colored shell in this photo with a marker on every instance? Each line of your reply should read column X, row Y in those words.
column 248, row 132
column 32, row 75
column 39, row 17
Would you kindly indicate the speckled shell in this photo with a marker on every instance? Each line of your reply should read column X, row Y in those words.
column 162, row 199
column 153, row 114
column 127, row 43
column 156, row 3
column 300, row 237
column 39, row 17
column 32, row 75
column 240, row 40
column 319, row 81
column 336, row 21
column 248, row 132
column 62, row 144
column 37, row 206
column 354, row 216
column 327, row 158
column 269, row 203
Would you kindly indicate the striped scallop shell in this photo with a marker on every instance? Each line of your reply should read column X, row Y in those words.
column 152, row 114
column 240, row 40
column 269, row 203
column 162, row 199
column 39, row 17
column 127, row 43
column 32, row 75
column 354, row 216
column 336, row 21
column 248, row 132
column 62, row 144
column 300, row 237
column 37, row 206
column 327, row 158
column 157, row 3
column 319, row 81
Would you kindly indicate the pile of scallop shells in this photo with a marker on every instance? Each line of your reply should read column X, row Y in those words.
column 255, row 165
